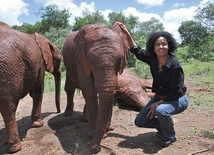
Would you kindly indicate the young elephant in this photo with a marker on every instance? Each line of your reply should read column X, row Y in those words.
column 24, row 58
column 93, row 58
column 132, row 89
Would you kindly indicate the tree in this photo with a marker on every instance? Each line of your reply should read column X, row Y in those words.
column 144, row 29
column 198, row 40
column 88, row 18
column 129, row 21
column 192, row 32
column 53, row 17
column 30, row 29
column 58, row 36
column 205, row 15
column 80, row 22
column 95, row 17
column 25, row 27
column 113, row 17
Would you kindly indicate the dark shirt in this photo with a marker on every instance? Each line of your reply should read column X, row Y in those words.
column 167, row 83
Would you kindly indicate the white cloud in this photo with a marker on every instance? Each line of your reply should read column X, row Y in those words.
column 176, row 5
column 173, row 19
column 106, row 13
column 143, row 16
column 150, row 3
column 204, row 2
column 10, row 10
column 76, row 11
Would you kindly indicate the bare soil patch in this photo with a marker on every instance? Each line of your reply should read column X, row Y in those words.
column 62, row 135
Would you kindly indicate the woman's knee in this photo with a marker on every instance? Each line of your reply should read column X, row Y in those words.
column 161, row 112
column 139, row 122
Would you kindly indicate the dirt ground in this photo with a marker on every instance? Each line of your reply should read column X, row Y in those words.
column 62, row 135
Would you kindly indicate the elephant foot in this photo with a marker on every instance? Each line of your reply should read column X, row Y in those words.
column 38, row 123
column 14, row 148
column 95, row 149
column 85, row 118
column 90, row 135
column 68, row 112
column 105, row 135
column 110, row 128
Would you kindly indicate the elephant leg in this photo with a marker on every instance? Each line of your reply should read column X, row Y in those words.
column 91, row 102
column 110, row 127
column 70, row 90
column 91, row 110
column 37, row 95
column 9, row 117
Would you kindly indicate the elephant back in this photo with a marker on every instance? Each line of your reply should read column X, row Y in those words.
column 17, row 59
column 2, row 24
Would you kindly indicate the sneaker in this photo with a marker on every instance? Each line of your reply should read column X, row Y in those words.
column 166, row 143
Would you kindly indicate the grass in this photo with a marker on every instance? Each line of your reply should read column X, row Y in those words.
column 200, row 76
column 50, row 83
column 203, row 133
column 207, row 134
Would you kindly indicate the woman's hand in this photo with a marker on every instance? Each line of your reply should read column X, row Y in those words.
column 125, row 30
column 152, row 109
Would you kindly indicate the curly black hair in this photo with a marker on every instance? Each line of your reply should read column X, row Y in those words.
column 154, row 36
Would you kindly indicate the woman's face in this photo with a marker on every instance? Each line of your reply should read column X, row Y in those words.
column 161, row 47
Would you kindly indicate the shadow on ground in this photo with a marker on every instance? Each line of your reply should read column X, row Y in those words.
column 23, row 124
column 72, row 133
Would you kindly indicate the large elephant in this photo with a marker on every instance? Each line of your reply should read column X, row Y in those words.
column 24, row 58
column 93, row 57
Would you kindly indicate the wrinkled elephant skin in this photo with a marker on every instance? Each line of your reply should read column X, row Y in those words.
column 24, row 58
column 132, row 89
column 93, row 58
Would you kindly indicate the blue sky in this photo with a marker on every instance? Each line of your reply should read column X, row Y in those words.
column 170, row 12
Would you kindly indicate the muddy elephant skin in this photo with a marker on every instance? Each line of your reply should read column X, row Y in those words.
column 24, row 58
column 93, row 58
column 133, row 90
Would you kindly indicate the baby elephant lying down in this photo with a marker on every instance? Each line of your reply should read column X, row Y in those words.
column 133, row 90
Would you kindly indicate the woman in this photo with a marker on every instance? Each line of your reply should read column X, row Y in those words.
column 168, row 84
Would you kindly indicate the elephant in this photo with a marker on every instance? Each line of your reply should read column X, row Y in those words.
column 133, row 90
column 93, row 57
column 24, row 59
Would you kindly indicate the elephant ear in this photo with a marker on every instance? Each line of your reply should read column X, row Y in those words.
column 124, row 45
column 81, row 53
column 50, row 52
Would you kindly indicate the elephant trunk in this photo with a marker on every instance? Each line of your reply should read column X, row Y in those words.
column 57, row 78
column 106, row 98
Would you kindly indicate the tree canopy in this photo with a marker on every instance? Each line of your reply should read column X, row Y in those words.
column 197, row 35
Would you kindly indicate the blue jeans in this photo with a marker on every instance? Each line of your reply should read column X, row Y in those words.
column 163, row 121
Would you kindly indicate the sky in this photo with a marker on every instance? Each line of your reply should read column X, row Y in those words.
column 170, row 12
